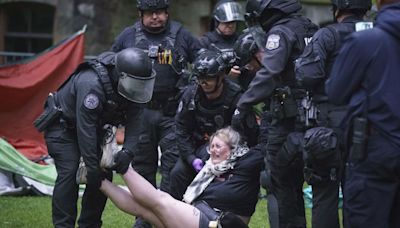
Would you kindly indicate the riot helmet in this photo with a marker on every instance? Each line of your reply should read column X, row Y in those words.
column 136, row 75
column 259, row 11
column 210, row 64
column 248, row 44
column 351, row 4
column 143, row 5
column 228, row 11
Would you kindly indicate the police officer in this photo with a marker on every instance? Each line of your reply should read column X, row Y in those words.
column 250, row 49
column 365, row 76
column 205, row 107
column 249, row 53
column 323, row 145
column 226, row 16
column 172, row 46
column 73, row 123
column 287, row 33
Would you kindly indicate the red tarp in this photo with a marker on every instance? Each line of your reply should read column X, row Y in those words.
column 24, row 88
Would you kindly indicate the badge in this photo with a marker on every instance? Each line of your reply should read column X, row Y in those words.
column 180, row 106
column 272, row 42
column 91, row 101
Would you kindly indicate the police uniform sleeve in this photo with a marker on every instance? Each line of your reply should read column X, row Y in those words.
column 348, row 70
column 204, row 41
column 89, row 100
column 132, row 131
column 278, row 48
column 189, row 44
column 310, row 67
column 121, row 42
column 185, row 121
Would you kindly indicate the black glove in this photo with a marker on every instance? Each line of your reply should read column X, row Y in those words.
column 239, row 120
column 122, row 159
column 94, row 177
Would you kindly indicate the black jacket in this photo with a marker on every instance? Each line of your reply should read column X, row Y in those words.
column 85, row 110
column 286, row 40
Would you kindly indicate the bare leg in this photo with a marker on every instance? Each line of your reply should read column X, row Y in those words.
column 127, row 203
column 171, row 212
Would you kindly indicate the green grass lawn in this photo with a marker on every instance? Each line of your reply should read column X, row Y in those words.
column 36, row 212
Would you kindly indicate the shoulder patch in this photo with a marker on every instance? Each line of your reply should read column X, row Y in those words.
column 91, row 101
column 272, row 42
column 363, row 25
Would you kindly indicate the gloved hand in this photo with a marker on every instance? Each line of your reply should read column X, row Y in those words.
column 197, row 164
column 239, row 120
column 122, row 160
column 94, row 177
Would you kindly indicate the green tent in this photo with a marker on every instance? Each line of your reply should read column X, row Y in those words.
column 40, row 177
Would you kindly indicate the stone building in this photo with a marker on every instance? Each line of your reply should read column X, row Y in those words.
column 30, row 26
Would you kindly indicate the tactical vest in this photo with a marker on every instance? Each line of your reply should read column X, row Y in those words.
column 209, row 120
column 340, row 31
column 166, row 64
column 213, row 41
column 303, row 30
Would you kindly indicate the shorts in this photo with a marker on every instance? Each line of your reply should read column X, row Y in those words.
column 207, row 214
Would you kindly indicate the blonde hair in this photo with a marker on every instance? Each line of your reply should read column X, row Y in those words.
column 228, row 135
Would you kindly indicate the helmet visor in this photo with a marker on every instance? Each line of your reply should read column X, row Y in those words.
column 229, row 11
column 136, row 89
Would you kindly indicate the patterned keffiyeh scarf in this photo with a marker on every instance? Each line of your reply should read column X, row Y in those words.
column 210, row 171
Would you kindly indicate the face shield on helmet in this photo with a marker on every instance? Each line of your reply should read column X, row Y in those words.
column 228, row 12
column 136, row 80
column 145, row 5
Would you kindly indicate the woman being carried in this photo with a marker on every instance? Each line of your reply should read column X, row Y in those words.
column 229, row 181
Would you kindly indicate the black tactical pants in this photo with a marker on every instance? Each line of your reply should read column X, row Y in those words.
column 286, row 176
column 326, row 192
column 62, row 145
column 325, row 204
column 156, row 130
column 183, row 174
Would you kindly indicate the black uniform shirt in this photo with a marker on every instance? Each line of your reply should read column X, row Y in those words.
column 285, row 42
column 83, row 102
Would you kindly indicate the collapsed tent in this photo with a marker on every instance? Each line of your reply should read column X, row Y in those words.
column 24, row 86
column 40, row 177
